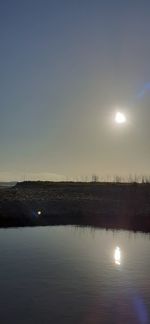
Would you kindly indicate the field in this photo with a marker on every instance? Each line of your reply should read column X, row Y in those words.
column 109, row 205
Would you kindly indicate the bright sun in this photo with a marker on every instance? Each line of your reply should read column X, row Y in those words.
column 120, row 118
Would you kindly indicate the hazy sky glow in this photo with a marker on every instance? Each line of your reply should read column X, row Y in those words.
column 65, row 67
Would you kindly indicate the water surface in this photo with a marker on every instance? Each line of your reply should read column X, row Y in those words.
column 74, row 275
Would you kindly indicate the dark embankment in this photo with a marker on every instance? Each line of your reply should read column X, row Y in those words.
column 108, row 205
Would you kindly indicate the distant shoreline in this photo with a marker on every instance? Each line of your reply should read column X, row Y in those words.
column 105, row 205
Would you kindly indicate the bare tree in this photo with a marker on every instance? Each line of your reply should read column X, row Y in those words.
column 95, row 178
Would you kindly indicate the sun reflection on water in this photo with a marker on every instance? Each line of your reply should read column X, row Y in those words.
column 117, row 255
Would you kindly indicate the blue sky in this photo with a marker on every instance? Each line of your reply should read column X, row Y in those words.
column 65, row 67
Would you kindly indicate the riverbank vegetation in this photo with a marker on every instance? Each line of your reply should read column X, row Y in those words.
column 99, row 204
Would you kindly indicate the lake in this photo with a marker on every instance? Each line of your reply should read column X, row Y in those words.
column 74, row 275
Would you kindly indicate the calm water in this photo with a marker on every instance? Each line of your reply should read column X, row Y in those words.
column 74, row 275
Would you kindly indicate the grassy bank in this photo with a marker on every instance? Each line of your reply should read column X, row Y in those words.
column 109, row 205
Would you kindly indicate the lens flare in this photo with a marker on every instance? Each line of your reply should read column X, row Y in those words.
column 144, row 90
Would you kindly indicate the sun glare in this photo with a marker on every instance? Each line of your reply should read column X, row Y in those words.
column 120, row 118
column 117, row 256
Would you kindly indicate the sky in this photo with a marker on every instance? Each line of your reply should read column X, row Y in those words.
column 66, row 67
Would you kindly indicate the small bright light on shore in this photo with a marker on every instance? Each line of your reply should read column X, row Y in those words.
column 120, row 118
column 117, row 255
column 39, row 212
